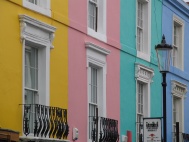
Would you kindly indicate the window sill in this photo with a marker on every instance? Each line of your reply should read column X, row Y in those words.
column 96, row 35
column 143, row 56
column 41, row 139
column 37, row 8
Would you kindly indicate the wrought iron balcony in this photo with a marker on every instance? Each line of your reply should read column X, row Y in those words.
column 45, row 121
column 103, row 129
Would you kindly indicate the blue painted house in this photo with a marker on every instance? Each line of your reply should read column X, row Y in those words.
column 175, row 26
column 140, row 80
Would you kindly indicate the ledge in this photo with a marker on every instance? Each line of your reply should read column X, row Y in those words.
column 40, row 139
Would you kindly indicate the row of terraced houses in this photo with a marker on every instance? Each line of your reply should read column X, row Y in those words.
column 87, row 70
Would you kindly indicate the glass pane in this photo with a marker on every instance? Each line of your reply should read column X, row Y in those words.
column 31, row 68
column 93, row 85
column 30, row 98
column 140, row 14
column 92, row 110
column 92, row 15
column 27, row 69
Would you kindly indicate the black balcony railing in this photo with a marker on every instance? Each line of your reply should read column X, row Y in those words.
column 104, row 130
column 45, row 121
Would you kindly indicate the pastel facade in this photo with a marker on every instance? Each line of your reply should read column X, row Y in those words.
column 94, row 54
column 72, row 62
column 34, row 64
column 140, row 80
column 175, row 24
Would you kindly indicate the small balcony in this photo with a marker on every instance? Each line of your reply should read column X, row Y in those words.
column 103, row 129
column 43, row 123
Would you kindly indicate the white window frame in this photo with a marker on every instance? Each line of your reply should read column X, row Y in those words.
column 42, row 7
column 178, row 59
column 143, row 75
column 178, row 92
column 40, row 35
column 96, row 56
column 145, row 50
column 100, row 34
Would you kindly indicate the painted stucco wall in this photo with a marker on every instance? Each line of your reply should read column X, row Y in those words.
column 77, row 102
column 179, row 9
column 127, row 65
column 11, row 60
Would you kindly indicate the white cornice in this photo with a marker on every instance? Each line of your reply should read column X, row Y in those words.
column 97, row 48
column 36, row 30
column 26, row 19
column 178, row 89
column 143, row 72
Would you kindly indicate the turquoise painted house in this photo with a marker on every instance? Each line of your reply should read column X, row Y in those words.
column 140, row 80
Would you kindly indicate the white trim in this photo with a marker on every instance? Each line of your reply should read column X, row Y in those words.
column 97, row 48
column 180, row 22
column 146, row 30
column 96, row 35
column 43, row 10
column 143, row 74
column 38, row 34
column 101, row 21
column 96, row 56
column 37, row 31
column 143, row 55
column 179, row 90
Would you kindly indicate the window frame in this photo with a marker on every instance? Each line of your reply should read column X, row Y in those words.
column 144, row 76
column 178, row 92
column 144, row 32
column 96, row 57
column 35, row 33
column 178, row 49
column 100, row 32
column 45, row 10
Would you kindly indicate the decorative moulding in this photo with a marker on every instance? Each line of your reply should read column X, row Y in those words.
column 37, row 30
column 178, row 89
column 97, row 48
column 143, row 72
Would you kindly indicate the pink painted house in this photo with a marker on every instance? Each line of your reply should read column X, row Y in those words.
column 94, row 68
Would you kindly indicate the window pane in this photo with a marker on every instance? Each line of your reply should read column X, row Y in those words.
column 92, row 15
column 92, row 111
column 93, row 85
column 31, row 68
column 30, row 98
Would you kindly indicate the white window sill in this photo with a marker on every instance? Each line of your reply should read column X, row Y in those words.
column 37, row 8
column 37, row 139
column 143, row 56
column 96, row 35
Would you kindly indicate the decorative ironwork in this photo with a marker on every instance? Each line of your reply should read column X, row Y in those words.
column 108, row 130
column 45, row 121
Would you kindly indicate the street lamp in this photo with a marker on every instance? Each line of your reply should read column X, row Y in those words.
column 163, row 51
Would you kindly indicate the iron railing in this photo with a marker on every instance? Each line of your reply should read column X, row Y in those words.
column 104, row 130
column 45, row 121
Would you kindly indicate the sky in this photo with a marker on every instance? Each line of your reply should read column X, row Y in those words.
column 186, row 0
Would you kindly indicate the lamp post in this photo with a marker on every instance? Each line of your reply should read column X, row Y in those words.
column 163, row 51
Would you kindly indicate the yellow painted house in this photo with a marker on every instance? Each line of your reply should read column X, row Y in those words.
column 33, row 70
